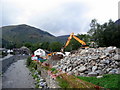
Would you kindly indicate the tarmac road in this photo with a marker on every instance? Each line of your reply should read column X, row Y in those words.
column 17, row 76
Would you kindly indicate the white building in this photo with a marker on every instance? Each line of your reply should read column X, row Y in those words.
column 40, row 52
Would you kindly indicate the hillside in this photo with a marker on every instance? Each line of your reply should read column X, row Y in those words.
column 63, row 38
column 24, row 33
column 117, row 22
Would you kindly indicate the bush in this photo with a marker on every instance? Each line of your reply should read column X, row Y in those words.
column 28, row 61
column 53, row 69
column 33, row 64
column 3, row 54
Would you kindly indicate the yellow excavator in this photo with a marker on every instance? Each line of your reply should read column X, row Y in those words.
column 54, row 54
column 76, row 38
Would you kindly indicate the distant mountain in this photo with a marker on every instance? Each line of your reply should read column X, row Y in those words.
column 63, row 38
column 25, row 33
column 117, row 22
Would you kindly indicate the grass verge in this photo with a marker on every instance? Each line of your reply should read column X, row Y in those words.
column 107, row 81
column 63, row 83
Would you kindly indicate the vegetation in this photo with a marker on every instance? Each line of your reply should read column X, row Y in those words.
column 3, row 54
column 55, row 46
column 31, row 64
column 107, row 34
column 15, row 36
column 53, row 69
column 28, row 62
column 62, row 83
column 107, row 81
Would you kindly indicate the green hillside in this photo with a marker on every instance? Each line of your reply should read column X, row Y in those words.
column 24, row 33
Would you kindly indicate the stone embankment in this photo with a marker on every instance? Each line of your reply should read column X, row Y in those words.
column 91, row 62
column 51, row 83
column 8, row 60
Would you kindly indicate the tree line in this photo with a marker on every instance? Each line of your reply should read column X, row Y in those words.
column 107, row 34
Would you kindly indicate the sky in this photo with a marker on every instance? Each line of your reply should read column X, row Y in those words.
column 58, row 17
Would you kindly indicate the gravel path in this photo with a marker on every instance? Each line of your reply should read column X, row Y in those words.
column 18, row 76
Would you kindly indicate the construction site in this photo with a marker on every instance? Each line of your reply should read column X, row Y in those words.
column 59, row 68
column 60, row 44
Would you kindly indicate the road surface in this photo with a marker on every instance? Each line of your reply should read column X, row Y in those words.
column 18, row 76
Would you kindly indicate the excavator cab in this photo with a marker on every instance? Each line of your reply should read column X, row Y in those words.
column 62, row 50
column 84, row 46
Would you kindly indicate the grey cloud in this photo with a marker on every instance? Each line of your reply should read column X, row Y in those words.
column 10, row 13
column 68, row 18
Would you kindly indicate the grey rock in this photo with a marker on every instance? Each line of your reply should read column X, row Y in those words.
column 83, row 51
column 99, row 68
column 108, row 69
column 42, row 84
column 82, row 74
column 99, row 72
column 74, row 65
column 69, row 69
column 99, row 76
column 76, row 73
column 102, row 65
column 103, row 56
column 86, row 72
column 105, row 61
column 116, row 57
column 94, row 68
column 113, row 71
column 109, row 49
column 94, row 57
column 82, row 68
column 70, row 73
column 92, row 74
column 41, row 80
column 116, row 63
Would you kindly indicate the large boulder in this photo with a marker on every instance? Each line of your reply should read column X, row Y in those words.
column 116, row 57
column 82, row 68
column 92, row 74
column 94, row 68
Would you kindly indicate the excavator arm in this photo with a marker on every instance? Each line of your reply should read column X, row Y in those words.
column 80, row 41
column 68, row 41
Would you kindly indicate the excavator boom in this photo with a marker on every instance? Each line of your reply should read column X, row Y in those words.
column 80, row 41
column 68, row 41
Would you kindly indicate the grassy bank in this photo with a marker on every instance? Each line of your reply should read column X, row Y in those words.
column 107, row 81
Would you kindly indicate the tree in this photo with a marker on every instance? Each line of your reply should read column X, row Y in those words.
column 45, row 45
column 107, row 34
column 28, row 44
column 55, row 46
column 93, row 26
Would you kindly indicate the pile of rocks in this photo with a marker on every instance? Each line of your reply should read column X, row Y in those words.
column 40, row 82
column 91, row 62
